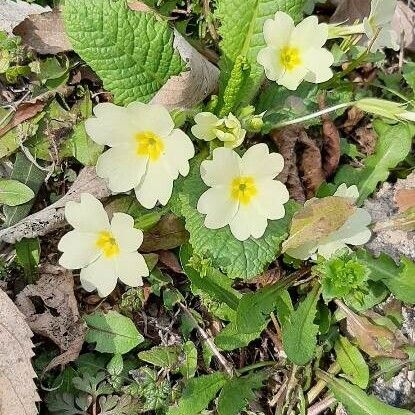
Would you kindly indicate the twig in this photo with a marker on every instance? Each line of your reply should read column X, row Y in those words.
column 401, row 50
column 229, row 369
column 315, row 391
column 321, row 406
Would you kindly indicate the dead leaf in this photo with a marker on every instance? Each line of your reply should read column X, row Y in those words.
column 169, row 260
column 354, row 116
column 404, row 21
column 366, row 139
column 351, row 10
column 59, row 319
column 317, row 219
column 18, row 393
column 52, row 217
column 24, row 112
column 12, row 12
column 373, row 339
column 269, row 277
column 303, row 172
column 138, row 6
column 169, row 233
column 405, row 198
column 45, row 33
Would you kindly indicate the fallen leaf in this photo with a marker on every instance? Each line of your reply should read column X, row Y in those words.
column 12, row 12
column 405, row 198
column 24, row 112
column 351, row 10
column 52, row 217
column 331, row 143
column 44, row 32
column 59, row 319
column 17, row 389
column 170, row 260
column 317, row 219
column 373, row 339
column 366, row 140
column 354, row 116
column 404, row 21
column 169, row 233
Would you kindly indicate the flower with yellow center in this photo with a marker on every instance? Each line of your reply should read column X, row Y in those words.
column 295, row 53
column 103, row 250
column 242, row 192
column 229, row 129
column 146, row 152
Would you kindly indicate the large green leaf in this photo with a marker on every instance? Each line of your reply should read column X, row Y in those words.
column 356, row 401
column 198, row 393
column 14, row 193
column 132, row 52
column 241, row 24
column 162, row 356
column 237, row 259
column 299, row 334
column 112, row 332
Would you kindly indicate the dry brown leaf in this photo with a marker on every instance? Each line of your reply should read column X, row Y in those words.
column 18, row 393
column 405, row 198
column 24, row 112
column 404, row 21
column 351, row 10
column 44, row 32
column 169, row 260
column 354, row 116
column 375, row 340
column 12, row 12
column 366, row 139
column 52, row 217
column 169, row 233
column 59, row 320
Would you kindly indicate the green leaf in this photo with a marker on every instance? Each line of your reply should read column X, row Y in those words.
column 389, row 367
column 409, row 75
column 356, row 401
column 189, row 366
column 393, row 145
column 25, row 172
column 28, row 257
column 240, row 259
column 299, row 335
column 198, row 393
column 238, row 392
column 241, row 25
column 400, row 279
column 14, row 193
column 112, row 332
column 352, row 362
column 132, row 52
column 252, row 316
column 166, row 357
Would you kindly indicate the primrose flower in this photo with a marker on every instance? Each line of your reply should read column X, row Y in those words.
column 229, row 130
column 103, row 250
column 379, row 24
column 354, row 231
column 242, row 192
column 147, row 153
column 295, row 53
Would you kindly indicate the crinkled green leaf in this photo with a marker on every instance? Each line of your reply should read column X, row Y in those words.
column 238, row 392
column 14, row 193
column 198, row 393
column 352, row 362
column 112, row 332
column 189, row 365
column 299, row 334
column 356, row 401
column 166, row 357
column 240, row 259
column 132, row 52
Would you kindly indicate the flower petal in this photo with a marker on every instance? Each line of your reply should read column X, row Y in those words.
column 78, row 249
column 131, row 268
column 260, row 163
column 310, row 34
column 268, row 58
column 204, row 129
column 218, row 206
column 272, row 195
column 277, row 31
column 88, row 215
column 99, row 275
column 112, row 126
column 248, row 222
column 122, row 167
column 151, row 117
column 128, row 238
column 179, row 150
column 318, row 62
column 292, row 79
column 222, row 169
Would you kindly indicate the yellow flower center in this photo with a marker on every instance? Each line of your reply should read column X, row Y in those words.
column 243, row 189
column 290, row 57
column 107, row 244
column 149, row 144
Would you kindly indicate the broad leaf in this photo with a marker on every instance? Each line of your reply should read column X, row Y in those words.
column 166, row 357
column 14, row 193
column 356, row 401
column 132, row 52
column 299, row 334
column 352, row 362
column 112, row 332
column 189, row 365
column 28, row 257
column 198, row 393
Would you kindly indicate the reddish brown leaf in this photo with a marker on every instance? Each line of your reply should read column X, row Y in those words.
column 24, row 112
column 354, row 116
column 405, row 199
column 169, row 260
